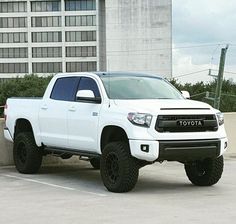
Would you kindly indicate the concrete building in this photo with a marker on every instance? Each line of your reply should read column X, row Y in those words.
column 44, row 37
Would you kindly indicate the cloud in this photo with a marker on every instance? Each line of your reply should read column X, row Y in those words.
column 203, row 22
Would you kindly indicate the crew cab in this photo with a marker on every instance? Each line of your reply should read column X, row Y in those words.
column 120, row 122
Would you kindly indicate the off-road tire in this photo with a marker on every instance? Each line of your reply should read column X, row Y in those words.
column 119, row 170
column 95, row 163
column 205, row 173
column 26, row 154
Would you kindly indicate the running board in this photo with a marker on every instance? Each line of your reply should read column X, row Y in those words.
column 80, row 153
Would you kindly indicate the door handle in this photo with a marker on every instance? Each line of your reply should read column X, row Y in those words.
column 44, row 107
column 72, row 109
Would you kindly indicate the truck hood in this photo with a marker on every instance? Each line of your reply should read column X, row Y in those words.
column 152, row 106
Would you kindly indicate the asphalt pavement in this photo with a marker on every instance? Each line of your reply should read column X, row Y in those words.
column 74, row 194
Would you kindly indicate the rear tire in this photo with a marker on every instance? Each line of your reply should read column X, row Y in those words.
column 26, row 154
column 119, row 170
column 95, row 162
column 205, row 173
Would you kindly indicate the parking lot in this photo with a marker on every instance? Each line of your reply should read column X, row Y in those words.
column 75, row 194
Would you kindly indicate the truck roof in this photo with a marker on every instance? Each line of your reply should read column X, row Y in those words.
column 137, row 74
column 110, row 74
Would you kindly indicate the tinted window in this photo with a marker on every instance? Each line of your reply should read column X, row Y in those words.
column 89, row 84
column 65, row 89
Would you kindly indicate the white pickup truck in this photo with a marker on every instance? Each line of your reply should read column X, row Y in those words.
column 120, row 122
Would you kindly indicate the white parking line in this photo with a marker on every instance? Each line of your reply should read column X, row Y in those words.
column 53, row 185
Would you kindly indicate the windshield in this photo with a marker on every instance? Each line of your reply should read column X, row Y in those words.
column 139, row 87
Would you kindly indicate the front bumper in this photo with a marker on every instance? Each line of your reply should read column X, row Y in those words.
column 190, row 150
column 177, row 150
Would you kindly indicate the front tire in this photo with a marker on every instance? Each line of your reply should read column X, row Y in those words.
column 206, row 172
column 26, row 154
column 119, row 170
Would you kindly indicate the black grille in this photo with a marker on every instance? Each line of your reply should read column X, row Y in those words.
column 186, row 123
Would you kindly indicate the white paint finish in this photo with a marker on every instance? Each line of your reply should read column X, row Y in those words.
column 83, row 126
column 6, row 147
column 54, row 125
column 135, row 146
column 52, row 122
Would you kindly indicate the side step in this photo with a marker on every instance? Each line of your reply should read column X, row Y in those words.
column 80, row 153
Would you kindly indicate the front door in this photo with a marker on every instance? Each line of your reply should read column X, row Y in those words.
column 83, row 117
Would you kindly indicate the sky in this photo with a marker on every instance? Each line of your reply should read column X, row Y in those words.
column 200, row 29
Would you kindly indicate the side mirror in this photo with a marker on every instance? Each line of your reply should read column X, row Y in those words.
column 87, row 96
column 185, row 94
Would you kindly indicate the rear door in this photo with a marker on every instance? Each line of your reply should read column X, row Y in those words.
column 83, row 119
column 53, row 112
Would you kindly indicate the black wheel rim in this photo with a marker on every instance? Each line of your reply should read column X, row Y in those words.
column 21, row 152
column 112, row 167
column 200, row 169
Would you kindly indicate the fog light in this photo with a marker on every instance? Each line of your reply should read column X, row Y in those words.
column 145, row 148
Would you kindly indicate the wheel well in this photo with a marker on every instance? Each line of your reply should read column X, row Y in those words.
column 112, row 134
column 22, row 125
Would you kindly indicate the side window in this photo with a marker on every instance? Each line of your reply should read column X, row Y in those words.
column 65, row 89
column 89, row 84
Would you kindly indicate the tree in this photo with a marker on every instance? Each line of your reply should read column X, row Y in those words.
column 198, row 92
column 29, row 86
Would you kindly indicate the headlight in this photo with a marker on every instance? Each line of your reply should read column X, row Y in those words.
column 220, row 118
column 140, row 119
